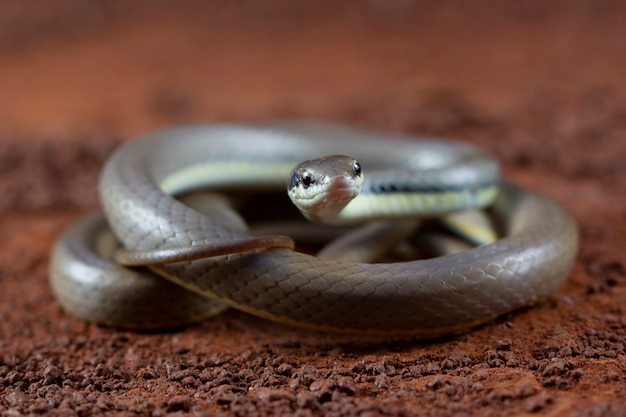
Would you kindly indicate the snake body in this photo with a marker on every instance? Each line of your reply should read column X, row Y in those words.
column 422, row 298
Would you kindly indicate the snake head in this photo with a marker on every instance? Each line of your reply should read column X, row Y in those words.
column 321, row 188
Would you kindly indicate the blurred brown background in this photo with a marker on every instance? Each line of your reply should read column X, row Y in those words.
column 131, row 66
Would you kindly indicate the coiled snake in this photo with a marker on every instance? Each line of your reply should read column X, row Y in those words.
column 529, row 261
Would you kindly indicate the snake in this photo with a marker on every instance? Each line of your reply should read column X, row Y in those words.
column 401, row 176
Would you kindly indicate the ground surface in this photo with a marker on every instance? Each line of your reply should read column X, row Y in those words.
column 540, row 84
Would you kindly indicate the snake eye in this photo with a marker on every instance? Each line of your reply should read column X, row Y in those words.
column 307, row 179
column 357, row 168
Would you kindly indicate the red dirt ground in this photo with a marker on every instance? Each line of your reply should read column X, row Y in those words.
column 540, row 84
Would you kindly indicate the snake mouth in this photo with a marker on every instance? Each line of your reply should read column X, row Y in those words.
column 339, row 191
column 329, row 198
column 323, row 200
